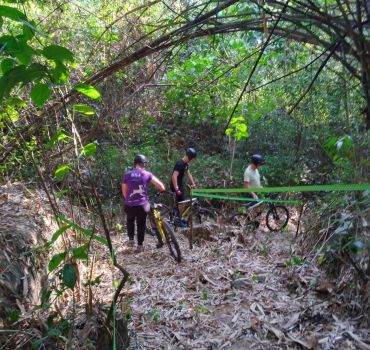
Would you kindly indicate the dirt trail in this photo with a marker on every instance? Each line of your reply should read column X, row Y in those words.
column 228, row 294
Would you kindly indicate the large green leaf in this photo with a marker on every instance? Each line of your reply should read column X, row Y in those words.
column 40, row 93
column 81, row 252
column 89, row 149
column 11, row 12
column 7, row 64
column 58, row 136
column 8, row 43
column 58, row 232
column 69, row 275
column 60, row 73
column 62, row 171
column 20, row 74
column 84, row 109
column 24, row 53
column 85, row 231
column 88, row 90
column 57, row 53
column 56, row 260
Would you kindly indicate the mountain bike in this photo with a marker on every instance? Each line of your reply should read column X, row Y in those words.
column 157, row 226
column 277, row 216
column 200, row 214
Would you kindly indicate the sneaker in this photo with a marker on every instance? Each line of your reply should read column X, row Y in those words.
column 131, row 243
column 182, row 223
column 139, row 249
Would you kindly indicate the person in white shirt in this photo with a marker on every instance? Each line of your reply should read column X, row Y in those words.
column 252, row 178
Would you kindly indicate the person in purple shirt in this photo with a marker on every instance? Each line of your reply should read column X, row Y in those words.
column 134, row 190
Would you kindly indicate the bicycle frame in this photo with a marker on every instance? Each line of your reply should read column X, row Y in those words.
column 156, row 215
column 190, row 205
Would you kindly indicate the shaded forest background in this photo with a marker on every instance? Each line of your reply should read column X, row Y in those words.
column 86, row 85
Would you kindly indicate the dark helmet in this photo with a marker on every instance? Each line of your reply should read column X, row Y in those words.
column 257, row 159
column 140, row 159
column 191, row 153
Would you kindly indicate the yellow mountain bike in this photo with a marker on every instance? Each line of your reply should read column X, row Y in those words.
column 159, row 227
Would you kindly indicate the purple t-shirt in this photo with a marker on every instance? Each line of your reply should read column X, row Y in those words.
column 137, row 181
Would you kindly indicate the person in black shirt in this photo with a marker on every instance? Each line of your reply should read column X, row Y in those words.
column 182, row 168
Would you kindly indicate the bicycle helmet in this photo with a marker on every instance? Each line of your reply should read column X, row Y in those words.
column 191, row 153
column 257, row 159
column 140, row 159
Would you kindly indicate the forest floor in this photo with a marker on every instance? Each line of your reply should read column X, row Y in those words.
column 236, row 291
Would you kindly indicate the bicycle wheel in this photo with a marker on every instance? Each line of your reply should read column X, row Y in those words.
column 165, row 211
column 172, row 243
column 277, row 217
column 150, row 225
column 241, row 220
column 205, row 215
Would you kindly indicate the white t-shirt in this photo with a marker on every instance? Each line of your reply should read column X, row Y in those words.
column 252, row 176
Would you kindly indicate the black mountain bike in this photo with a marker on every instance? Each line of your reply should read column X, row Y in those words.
column 200, row 214
column 277, row 216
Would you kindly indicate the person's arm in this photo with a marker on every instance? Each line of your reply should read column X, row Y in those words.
column 175, row 174
column 158, row 184
column 246, row 183
column 190, row 177
column 124, row 190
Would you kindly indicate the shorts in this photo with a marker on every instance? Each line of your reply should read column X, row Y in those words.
column 178, row 198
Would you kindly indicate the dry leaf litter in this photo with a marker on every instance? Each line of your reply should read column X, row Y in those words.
column 232, row 291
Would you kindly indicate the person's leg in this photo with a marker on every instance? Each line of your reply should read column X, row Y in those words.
column 130, row 212
column 181, row 207
column 141, row 215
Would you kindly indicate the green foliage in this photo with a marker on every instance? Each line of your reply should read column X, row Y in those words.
column 57, row 53
column 200, row 309
column 294, row 261
column 12, row 13
column 56, row 260
column 349, row 244
column 238, row 129
column 81, row 253
column 58, row 233
column 88, row 90
column 89, row 149
column 340, row 149
column 84, row 109
column 40, row 94
column 69, row 275
column 88, row 233
column 153, row 314
column 62, row 171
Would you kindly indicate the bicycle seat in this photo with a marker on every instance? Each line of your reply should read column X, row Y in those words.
column 187, row 201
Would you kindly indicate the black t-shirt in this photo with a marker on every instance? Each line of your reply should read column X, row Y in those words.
column 181, row 167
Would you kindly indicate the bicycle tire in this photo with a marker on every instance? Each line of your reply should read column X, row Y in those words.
column 277, row 218
column 171, row 241
column 149, row 225
column 241, row 220
column 165, row 212
column 205, row 215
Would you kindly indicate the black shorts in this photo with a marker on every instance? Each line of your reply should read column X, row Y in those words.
column 178, row 198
